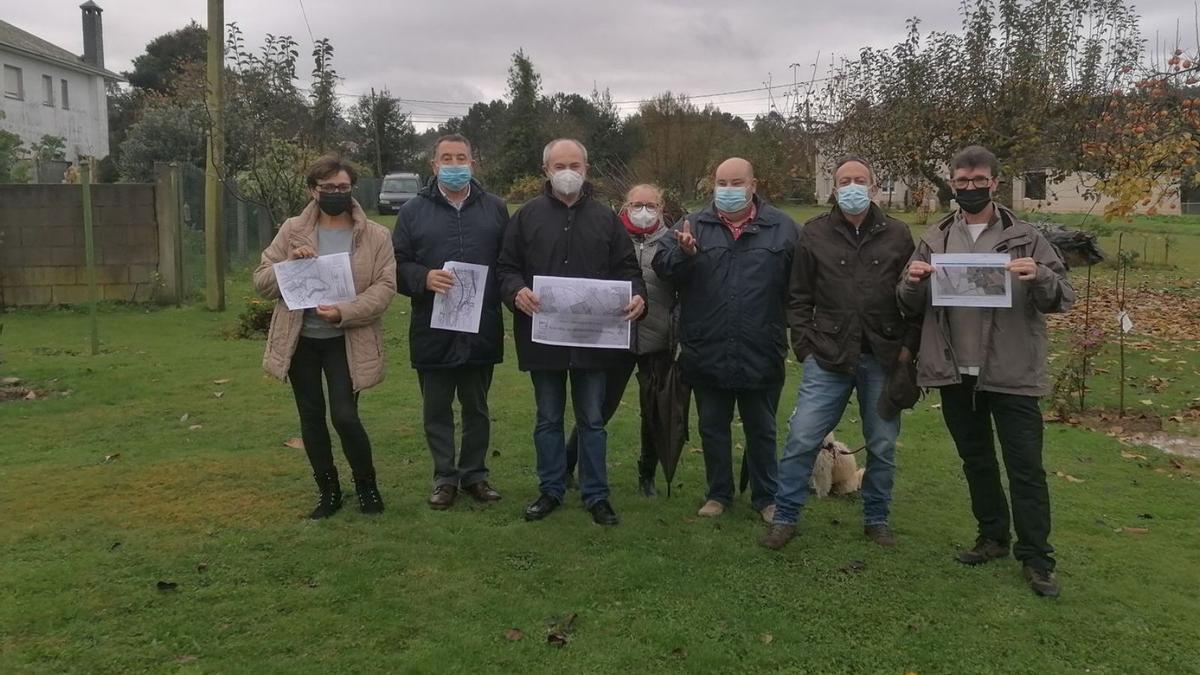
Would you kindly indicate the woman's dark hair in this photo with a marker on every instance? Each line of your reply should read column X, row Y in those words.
column 327, row 166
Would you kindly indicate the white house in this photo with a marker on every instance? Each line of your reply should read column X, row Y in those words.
column 47, row 90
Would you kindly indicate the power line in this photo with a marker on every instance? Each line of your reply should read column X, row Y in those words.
column 305, row 15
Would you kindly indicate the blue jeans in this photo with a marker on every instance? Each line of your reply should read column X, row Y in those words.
column 587, row 398
column 819, row 407
column 757, row 408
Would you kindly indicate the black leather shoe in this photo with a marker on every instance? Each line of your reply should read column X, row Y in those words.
column 603, row 514
column 646, row 487
column 541, row 508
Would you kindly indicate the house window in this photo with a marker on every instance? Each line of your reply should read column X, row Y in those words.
column 887, row 185
column 66, row 98
column 14, row 87
column 1035, row 186
column 48, row 90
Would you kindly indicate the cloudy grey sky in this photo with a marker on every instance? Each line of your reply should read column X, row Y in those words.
column 457, row 52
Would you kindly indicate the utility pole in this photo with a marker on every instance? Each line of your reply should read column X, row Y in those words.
column 89, row 241
column 375, row 124
column 214, row 247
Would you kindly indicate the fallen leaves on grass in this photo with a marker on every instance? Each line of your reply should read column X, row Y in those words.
column 679, row 653
column 218, row 394
column 513, row 634
column 167, row 586
column 196, row 427
column 558, row 631
column 1132, row 455
column 202, row 567
column 113, row 457
column 1068, row 477
column 222, row 381
column 294, row 443
column 186, row 658
column 853, row 567
column 185, row 417
column 1135, row 530
column 766, row 638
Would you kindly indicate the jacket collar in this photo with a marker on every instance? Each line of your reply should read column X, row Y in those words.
column 709, row 215
column 1012, row 227
column 433, row 192
column 585, row 193
column 307, row 220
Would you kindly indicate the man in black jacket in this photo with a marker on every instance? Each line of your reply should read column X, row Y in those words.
column 564, row 232
column 848, row 333
column 730, row 263
column 453, row 219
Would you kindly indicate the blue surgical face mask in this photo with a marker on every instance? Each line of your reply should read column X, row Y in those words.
column 731, row 198
column 453, row 177
column 853, row 199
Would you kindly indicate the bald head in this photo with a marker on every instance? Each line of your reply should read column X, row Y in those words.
column 734, row 168
column 734, row 186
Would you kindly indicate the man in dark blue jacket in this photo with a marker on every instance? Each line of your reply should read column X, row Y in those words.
column 453, row 219
column 565, row 232
column 731, row 263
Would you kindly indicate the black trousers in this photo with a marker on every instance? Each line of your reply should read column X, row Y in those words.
column 313, row 357
column 617, row 379
column 757, row 408
column 969, row 415
column 438, row 389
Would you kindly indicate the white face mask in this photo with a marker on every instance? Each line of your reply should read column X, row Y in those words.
column 643, row 217
column 566, row 182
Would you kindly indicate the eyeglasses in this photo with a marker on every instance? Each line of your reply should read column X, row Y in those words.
column 974, row 182
column 643, row 205
column 334, row 188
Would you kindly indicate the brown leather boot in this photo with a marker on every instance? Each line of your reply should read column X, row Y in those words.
column 777, row 536
column 985, row 550
column 483, row 492
column 443, row 497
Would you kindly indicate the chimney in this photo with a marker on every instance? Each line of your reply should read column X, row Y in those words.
column 93, row 34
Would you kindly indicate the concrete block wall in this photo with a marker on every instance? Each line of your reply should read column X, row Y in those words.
column 43, row 251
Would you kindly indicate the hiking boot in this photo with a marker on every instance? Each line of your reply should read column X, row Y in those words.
column 369, row 499
column 777, row 536
column 768, row 513
column 330, row 499
column 1042, row 581
column 985, row 550
column 646, row 487
column 711, row 509
column 603, row 514
column 483, row 492
column 443, row 497
column 880, row 534
column 541, row 508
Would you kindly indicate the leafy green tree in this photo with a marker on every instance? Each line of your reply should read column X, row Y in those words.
column 398, row 149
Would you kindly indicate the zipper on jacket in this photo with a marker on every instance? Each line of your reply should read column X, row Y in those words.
column 567, row 229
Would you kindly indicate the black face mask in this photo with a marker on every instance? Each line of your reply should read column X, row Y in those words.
column 334, row 203
column 973, row 200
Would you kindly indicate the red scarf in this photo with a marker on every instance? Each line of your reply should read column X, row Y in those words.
column 634, row 229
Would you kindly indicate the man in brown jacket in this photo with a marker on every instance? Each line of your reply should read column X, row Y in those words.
column 990, row 364
column 849, row 335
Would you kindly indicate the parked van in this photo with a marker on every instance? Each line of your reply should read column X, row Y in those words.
column 397, row 189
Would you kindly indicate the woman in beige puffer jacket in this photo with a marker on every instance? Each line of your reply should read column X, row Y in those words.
column 343, row 341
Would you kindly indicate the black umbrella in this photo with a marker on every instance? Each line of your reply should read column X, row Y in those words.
column 666, row 400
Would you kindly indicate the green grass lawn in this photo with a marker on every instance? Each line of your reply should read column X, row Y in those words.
column 215, row 504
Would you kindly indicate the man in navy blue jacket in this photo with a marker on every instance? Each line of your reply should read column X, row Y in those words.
column 453, row 219
column 731, row 262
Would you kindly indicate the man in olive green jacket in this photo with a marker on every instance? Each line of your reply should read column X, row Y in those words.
column 990, row 364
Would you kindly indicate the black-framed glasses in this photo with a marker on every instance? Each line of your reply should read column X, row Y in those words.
column 973, row 182
column 334, row 188
column 643, row 205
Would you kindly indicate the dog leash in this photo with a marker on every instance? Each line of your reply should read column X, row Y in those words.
column 852, row 452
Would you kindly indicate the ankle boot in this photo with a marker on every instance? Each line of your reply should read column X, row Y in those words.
column 330, row 499
column 369, row 499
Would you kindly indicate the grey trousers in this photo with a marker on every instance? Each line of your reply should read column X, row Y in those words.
column 438, row 389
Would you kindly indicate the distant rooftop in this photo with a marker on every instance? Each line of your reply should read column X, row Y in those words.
column 23, row 41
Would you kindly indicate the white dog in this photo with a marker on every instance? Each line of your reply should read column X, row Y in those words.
column 835, row 471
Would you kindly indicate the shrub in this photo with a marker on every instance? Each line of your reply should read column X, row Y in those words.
column 255, row 319
column 526, row 188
